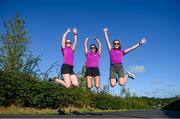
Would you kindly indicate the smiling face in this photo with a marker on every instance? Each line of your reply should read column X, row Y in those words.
column 116, row 44
column 68, row 43
column 93, row 48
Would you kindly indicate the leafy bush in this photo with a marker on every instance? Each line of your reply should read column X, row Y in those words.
column 25, row 90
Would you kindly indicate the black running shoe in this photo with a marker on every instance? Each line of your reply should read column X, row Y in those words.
column 52, row 79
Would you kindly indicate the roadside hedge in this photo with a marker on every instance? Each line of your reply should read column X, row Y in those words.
column 28, row 91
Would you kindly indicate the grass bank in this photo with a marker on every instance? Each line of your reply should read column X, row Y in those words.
column 25, row 110
column 29, row 110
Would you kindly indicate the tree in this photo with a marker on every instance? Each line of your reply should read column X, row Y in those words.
column 125, row 93
column 14, row 48
column 81, row 77
column 106, row 89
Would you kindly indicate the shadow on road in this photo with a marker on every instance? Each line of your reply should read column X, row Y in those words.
column 172, row 110
column 171, row 114
column 173, row 106
column 133, row 114
column 87, row 113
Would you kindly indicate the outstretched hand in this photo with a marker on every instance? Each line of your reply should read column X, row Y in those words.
column 96, row 38
column 87, row 38
column 68, row 30
column 74, row 30
column 143, row 41
column 105, row 29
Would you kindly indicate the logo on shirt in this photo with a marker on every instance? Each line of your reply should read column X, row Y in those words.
column 118, row 52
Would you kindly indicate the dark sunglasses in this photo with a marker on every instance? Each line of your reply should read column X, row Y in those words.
column 116, row 43
column 93, row 48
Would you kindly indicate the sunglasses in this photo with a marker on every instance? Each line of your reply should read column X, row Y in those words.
column 93, row 48
column 68, row 42
column 116, row 43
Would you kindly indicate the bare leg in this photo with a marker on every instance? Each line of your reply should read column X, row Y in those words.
column 97, row 82
column 74, row 80
column 88, row 81
column 123, row 80
column 66, row 82
column 113, row 82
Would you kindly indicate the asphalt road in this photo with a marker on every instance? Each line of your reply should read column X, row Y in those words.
column 126, row 114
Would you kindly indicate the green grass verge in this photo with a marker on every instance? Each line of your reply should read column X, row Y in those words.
column 26, row 110
column 29, row 110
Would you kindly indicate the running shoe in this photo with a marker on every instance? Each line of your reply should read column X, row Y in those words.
column 130, row 75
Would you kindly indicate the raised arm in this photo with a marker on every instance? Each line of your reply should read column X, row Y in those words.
column 85, row 45
column 135, row 46
column 63, row 44
column 75, row 38
column 99, row 44
column 107, row 38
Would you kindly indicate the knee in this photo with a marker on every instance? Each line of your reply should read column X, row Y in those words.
column 89, row 86
column 97, row 86
column 67, row 85
column 121, row 83
column 113, row 84
column 76, row 84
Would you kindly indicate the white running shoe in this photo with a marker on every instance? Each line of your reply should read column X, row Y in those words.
column 130, row 75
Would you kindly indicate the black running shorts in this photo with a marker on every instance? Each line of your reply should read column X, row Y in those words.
column 92, row 72
column 67, row 69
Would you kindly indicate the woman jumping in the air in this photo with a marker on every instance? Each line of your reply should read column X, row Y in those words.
column 116, row 55
column 92, row 61
column 67, row 72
